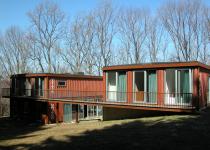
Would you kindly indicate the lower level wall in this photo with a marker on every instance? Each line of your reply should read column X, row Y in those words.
column 110, row 113
column 53, row 112
column 27, row 109
column 56, row 112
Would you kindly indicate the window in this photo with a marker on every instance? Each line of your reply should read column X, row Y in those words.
column 116, row 86
column 94, row 111
column 89, row 111
column 28, row 87
column 139, row 86
column 39, row 86
column 145, row 86
column 61, row 83
column 178, row 86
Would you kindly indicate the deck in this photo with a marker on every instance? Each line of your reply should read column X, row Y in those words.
column 122, row 100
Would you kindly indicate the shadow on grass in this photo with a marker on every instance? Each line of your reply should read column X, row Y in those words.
column 17, row 128
column 185, row 132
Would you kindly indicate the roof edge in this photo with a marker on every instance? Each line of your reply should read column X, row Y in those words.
column 54, row 75
column 157, row 65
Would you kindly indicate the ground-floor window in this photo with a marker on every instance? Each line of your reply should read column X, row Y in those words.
column 89, row 111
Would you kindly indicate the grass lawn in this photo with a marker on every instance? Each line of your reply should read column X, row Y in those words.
column 161, row 132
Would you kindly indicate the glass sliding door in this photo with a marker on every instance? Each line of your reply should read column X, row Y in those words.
column 67, row 112
column 139, row 86
column 40, row 86
column 94, row 111
column 145, row 86
column 28, row 87
column 99, row 111
column 178, row 86
column 111, row 86
column 170, row 86
column 183, row 86
column 116, row 86
column 81, row 111
column 152, row 86
column 121, row 87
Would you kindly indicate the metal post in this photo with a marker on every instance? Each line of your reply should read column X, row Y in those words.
column 77, row 113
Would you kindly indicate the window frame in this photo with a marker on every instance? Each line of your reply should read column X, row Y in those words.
column 64, row 81
column 176, row 70
column 116, row 84
column 145, row 86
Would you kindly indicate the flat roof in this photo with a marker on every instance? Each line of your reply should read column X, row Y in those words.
column 56, row 75
column 157, row 65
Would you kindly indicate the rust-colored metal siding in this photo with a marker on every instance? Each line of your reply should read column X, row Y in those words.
column 55, row 112
column 76, row 84
column 75, row 87
column 52, row 112
column 160, row 86
column 203, row 78
column 196, row 96
column 104, row 86
column 130, row 86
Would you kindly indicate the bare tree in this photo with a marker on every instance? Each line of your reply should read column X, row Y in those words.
column 105, row 31
column 156, row 41
column 183, row 22
column 35, row 54
column 205, row 53
column 90, row 46
column 79, row 40
column 14, row 52
column 133, row 25
column 48, row 27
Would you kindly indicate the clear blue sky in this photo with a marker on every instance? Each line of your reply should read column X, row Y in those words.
column 13, row 12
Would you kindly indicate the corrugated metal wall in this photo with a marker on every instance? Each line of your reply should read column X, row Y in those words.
column 75, row 87
column 130, row 86
column 160, row 86
column 203, row 88
column 76, row 84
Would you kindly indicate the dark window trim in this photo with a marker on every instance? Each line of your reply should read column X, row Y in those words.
column 64, row 81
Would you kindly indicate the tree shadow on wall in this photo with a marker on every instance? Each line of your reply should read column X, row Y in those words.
column 192, row 132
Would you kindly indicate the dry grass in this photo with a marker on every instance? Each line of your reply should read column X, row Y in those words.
column 163, row 132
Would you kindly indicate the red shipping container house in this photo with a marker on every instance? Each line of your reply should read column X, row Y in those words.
column 168, row 87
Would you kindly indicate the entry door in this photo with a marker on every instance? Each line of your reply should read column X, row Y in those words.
column 67, row 113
